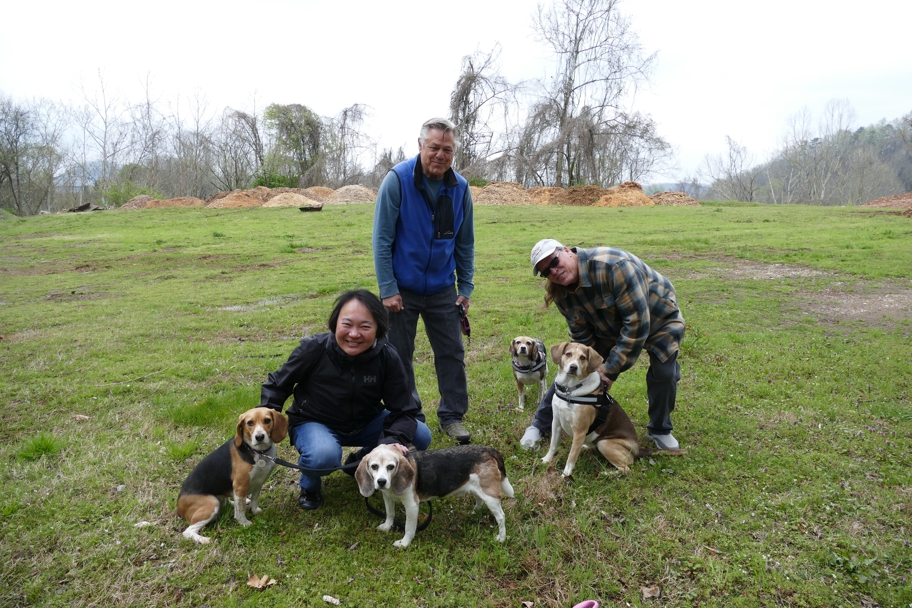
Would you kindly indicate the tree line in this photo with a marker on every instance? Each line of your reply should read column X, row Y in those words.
column 829, row 161
column 570, row 127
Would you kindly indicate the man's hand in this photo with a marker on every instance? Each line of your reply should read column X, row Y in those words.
column 606, row 381
column 393, row 303
column 401, row 448
column 460, row 300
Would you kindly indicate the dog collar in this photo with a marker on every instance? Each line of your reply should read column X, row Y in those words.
column 530, row 368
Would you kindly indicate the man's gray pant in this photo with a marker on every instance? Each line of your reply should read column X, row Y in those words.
column 441, row 323
column 661, row 389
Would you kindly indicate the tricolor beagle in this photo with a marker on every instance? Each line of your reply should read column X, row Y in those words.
column 237, row 469
column 422, row 476
column 530, row 366
column 583, row 410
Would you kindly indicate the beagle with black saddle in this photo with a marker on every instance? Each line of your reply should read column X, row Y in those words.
column 423, row 476
column 238, row 469
column 530, row 366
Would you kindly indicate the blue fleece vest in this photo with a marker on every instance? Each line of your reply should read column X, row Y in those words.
column 423, row 260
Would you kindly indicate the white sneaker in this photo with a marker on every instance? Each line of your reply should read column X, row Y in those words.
column 664, row 442
column 530, row 438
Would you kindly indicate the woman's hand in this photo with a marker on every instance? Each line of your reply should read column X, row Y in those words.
column 606, row 381
column 401, row 448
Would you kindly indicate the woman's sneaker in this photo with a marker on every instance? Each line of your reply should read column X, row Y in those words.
column 664, row 442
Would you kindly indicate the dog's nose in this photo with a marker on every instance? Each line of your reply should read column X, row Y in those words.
column 260, row 437
column 572, row 369
column 381, row 482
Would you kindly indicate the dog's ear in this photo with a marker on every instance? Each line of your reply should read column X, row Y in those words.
column 239, row 434
column 557, row 351
column 595, row 360
column 513, row 347
column 405, row 475
column 363, row 477
column 279, row 427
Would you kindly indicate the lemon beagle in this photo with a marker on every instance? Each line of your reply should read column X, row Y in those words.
column 422, row 476
column 237, row 469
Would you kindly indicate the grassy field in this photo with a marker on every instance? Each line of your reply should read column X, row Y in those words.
column 131, row 340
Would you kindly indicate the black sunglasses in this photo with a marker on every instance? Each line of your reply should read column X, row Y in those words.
column 546, row 271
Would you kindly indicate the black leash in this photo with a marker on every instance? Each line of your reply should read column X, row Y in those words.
column 399, row 525
column 285, row 463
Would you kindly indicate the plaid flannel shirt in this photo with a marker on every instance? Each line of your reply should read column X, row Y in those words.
column 621, row 306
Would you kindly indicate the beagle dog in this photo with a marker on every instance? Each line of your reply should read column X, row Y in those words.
column 238, row 469
column 423, row 476
column 530, row 366
column 589, row 414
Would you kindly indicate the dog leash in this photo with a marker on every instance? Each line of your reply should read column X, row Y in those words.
column 285, row 463
column 399, row 525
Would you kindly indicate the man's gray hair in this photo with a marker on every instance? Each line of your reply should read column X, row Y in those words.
column 441, row 124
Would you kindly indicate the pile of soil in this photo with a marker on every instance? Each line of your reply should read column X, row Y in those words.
column 901, row 201
column 291, row 199
column 318, row 193
column 352, row 194
column 674, row 199
column 234, row 200
column 628, row 194
column 502, row 193
column 548, row 195
column 138, row 202
column 584, row 196
column 184, row 201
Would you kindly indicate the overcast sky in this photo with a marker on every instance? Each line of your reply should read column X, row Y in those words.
column 738, row 69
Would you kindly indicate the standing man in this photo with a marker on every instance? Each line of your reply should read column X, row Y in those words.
column 424, row 257
column 616, row 304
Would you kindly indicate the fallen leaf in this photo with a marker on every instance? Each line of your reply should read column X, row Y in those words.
column 81, row 417
column 331, row 600
column 528, row 604
column 649, row 592
column 260, row 582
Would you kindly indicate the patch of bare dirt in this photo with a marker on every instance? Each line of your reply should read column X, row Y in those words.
column 291, row 199
column 352, row 194
column 184, row 201
column 138, row 202
column 674, row 199
column 502, row 193
column 548, row 195
column 900, row 201
column 628, row 194
column 235, row 200
column 890, row 301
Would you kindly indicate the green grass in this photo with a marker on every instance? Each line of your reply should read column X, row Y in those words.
column 131, row 340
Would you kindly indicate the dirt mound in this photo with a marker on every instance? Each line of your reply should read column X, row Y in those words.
column 628, row 194
column 674, row 199
column 184, row 201
column 352, row 194
column 261, row 193
column 584, row 196
column 274, row 192
column 907, row 212
column 502, row 193
column 318, row 193
column 138, row 202
column 476, row 190
column 901, row 201
column 234, row 200
column 291, row 199
column 548, row 195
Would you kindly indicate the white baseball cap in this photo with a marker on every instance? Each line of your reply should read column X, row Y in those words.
column 543, row 249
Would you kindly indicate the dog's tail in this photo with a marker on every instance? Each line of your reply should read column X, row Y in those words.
column 507, row 488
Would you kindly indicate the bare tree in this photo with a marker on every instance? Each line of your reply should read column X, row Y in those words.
column 733, row 174
column 192, row 153
column 343, row 144
column 105, row 127
column 480, row 97
column 599, row 60
column 237, row 149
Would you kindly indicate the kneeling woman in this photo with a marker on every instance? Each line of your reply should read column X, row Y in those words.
column 349, row 389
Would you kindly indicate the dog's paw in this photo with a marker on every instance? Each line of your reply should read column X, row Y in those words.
column 256, row 510
column 401, row 543
column 385, row 527
column 547, row 458
column 244, row 521
column 501, row 537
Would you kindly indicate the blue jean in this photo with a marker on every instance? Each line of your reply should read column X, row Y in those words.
column 661, row 390
column 441, row 323
column 320, row 447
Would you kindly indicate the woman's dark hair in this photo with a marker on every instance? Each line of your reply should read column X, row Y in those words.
column 371, row 302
